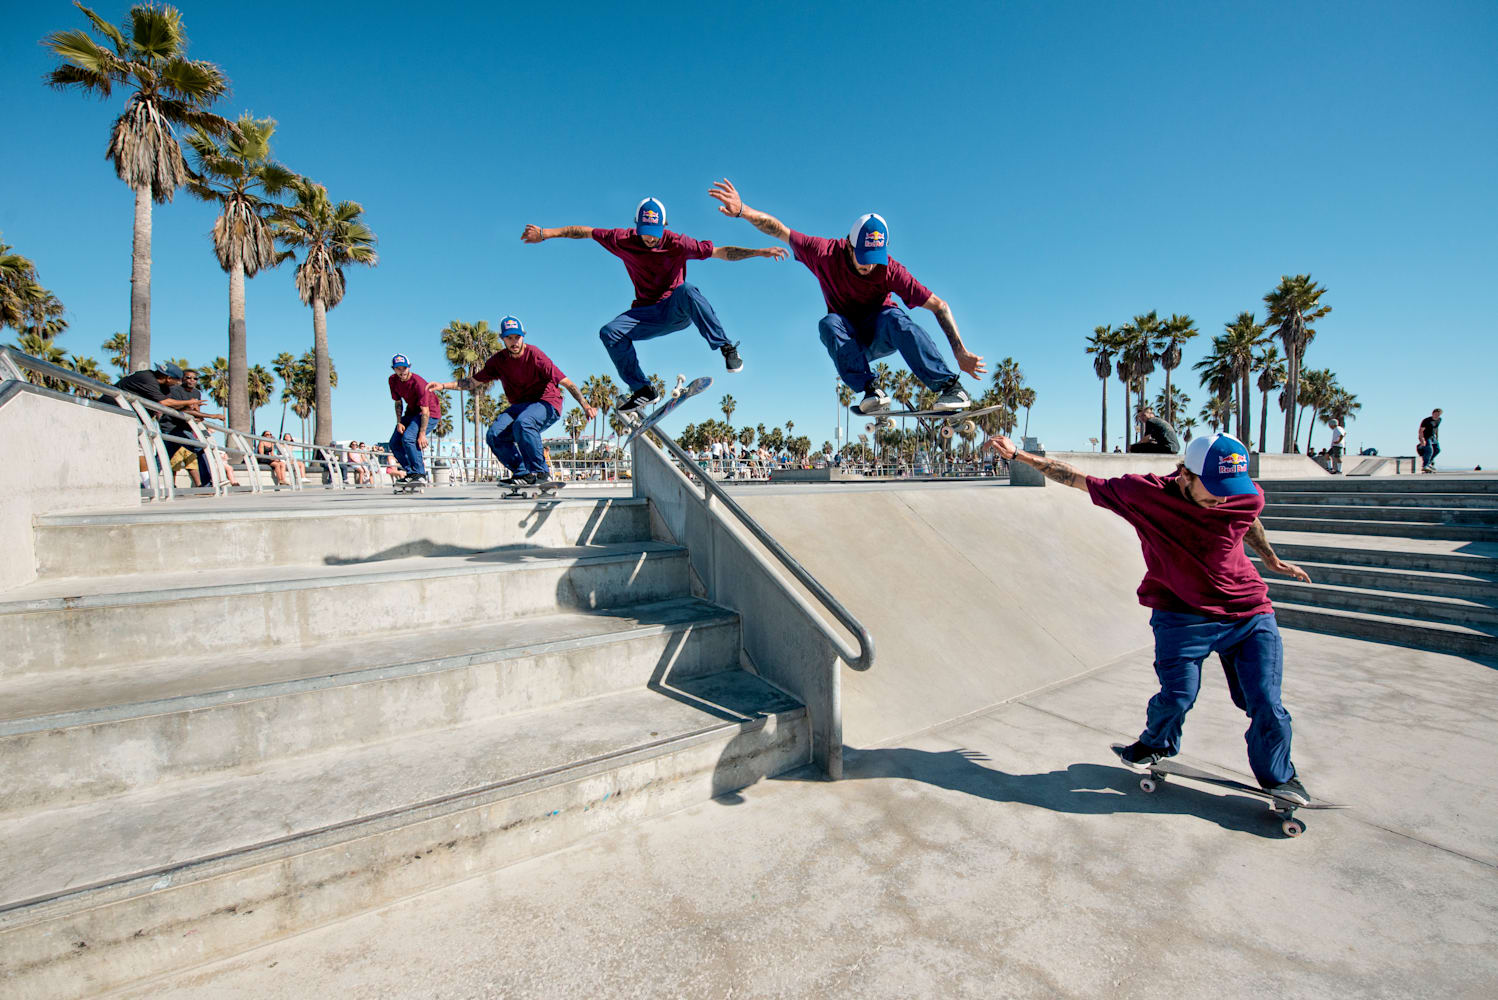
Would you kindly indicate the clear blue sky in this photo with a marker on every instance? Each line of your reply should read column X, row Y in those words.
column 1045, row 167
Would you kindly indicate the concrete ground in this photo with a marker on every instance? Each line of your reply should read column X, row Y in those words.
column 1005, row 855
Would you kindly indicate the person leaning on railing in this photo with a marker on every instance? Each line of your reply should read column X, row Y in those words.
column 156, row 386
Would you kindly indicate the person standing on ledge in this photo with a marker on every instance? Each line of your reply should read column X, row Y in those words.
column 1205, row 595
column 656, row 259
column 1428, row 444
column 859, row 282
column 416, row 407
column 1157, row 436
column 532, row 383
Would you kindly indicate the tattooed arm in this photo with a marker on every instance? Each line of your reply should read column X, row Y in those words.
column 744, row 253
column 1053, row 469
column 966, row 360
column 465, row 384
column 1259, row 542
column 732, row 204
column 535, row 234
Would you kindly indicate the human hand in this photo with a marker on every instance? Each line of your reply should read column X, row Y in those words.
column 774, row 253
column 971, row 363
column 1003, row 446
column 725, row 192
column 590, row 411
column 421, row 440
column 531, row 234
column 400, row 428
column 1288, row 569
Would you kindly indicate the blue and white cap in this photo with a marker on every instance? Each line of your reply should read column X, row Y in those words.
column 1220, row 461
column 400, row 361
column 511, row 327
column 869, row 239
column 650, row 217
column 169, row 370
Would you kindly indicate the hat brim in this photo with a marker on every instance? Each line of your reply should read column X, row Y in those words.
column 877, row 255
column 645, row 230
column 1229, row 486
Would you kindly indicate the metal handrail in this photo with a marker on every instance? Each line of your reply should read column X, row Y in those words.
column 864, row 658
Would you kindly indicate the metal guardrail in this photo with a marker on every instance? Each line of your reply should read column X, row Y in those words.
column 863, row 657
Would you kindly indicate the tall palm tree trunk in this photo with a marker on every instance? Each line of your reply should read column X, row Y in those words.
column 462, row 429
column 140, row 283
column 1103, row 440
column 1128, row 423
column 1170, row 401
column 1292, row 383
column 239, row 362
column 323, row 391
column 1263, row 421
column 1245, row 412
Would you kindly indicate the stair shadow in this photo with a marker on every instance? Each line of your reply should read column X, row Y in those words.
column 426, row 548
column 1082, row 789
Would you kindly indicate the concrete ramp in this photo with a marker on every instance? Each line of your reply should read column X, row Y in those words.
column 974, row 595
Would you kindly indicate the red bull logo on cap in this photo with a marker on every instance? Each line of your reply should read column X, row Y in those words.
column 509, row 324
column 650, row 217
column 873, row 239
column 1232, row 464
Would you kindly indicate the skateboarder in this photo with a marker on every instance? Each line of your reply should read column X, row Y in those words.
column 656, row 259
column 859, row 281
column 531, row 382
column 1204, row 594
column 416, row 408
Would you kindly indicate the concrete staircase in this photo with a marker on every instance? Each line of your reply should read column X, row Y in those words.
column 218, row 729
column 1408, row 560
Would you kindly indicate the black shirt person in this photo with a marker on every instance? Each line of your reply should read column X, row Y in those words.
column 1159, row 437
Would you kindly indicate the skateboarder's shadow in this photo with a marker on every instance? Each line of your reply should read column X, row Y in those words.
column 1083, row 788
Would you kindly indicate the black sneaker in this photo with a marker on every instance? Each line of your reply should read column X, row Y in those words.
column 416, row 479
column 1290, row 791
column 1139, row 756
column 641, row 397
column 731, row 357
column 874, row 401
column 953, row 397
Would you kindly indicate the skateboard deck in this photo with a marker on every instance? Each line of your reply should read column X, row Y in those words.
column 546, row 489
column 1283, row 808
column 951, row 419
column 403, row 488
column 684, row 391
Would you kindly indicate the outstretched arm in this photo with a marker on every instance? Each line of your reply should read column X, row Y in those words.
column 535, row 234
column 1053, row 469
column 589, row 410
column 467, row 383
column 744, row 253
column 732, row 204
column 1259, row 542
column 966, row 360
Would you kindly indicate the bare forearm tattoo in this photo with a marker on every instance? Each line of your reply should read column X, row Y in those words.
column 949, row 327
column 570, row 232
column 738, row 253
column 465, row 384
column 767, row 224
column 1055, row 470
column 1259, row 542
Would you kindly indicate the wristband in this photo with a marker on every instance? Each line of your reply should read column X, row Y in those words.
column 740, row 213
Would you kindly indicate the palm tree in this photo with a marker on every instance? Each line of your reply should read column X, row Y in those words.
column 1217, row 411
column 118, row 347
column 727, row 405
column 844, row 400
column 1239, row 340
column 1177, row 403
column 149, row 56
column 332, row 237
column 215, row 378
column 1101, row 345
column 1341, row 406
column 574, row 423
column 284, row 365
column 1135, row 363
column 1271, row 369
column 467, row 346
column 1318, row 389
column 1008, row 382
column 24, row 304
column 259, row 384
column 235, row 173
column 790, row 425
column 1168, row 338
column 1026, row 398
column 1294, row 304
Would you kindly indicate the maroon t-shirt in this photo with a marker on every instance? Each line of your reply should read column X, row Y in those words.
column 856, row 296
column 657, row 270
column 413, row 392
column 530, row 378
column 1193, row 556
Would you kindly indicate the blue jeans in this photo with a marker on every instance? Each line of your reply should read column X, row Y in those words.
column 403, row 446
column 1252, row 657
column 852, row 347
column 1428, row 452
column 685, row 306
column 515, row 437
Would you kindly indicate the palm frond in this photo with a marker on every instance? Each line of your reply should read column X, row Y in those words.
column 156, row 32
column 194, row 80
column 103, row 27
column 81, row 52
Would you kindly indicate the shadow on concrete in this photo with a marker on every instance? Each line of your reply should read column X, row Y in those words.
column 1083, row 788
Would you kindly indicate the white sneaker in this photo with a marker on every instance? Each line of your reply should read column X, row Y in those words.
column 874, row 401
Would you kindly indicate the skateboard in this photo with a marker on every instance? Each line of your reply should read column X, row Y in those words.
column 684, row 391
column 546, row 489
column 1283, row 808
column 409, row 488
column 951, row 420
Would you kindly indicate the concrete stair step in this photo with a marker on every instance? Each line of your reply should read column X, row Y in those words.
column 1482, row 617
column 1440, row 637
column 1433, row 554
column 79, row 735
column 174, row 541
column 1435, row 515
column 67, row 624
column 1402, row 529
column 1384, row 484
column 1348, row 498
column 111, row 892
column 1481, row 587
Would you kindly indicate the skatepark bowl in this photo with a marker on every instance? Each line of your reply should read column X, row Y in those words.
column 345, row 743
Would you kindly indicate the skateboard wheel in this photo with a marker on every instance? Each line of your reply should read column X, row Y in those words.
column 1147, row 784
column 968, row 427
column 1293, row 827
column 946, row 431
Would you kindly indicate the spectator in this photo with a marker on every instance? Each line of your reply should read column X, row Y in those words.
column 1428, row 446
column 156, row 385
column 1336, row 450
column 1156, row 436
column 298, row 467
column 184, row 455
column 225, row 461
column 271, row 456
